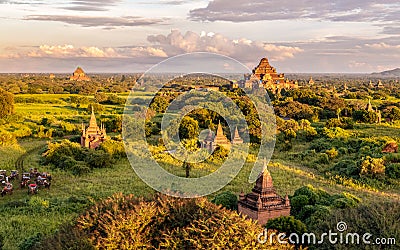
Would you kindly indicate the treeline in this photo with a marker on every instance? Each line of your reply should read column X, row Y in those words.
column 70, row 156
column 61, row 85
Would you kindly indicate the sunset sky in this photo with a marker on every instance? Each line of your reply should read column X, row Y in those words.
column 131, row 36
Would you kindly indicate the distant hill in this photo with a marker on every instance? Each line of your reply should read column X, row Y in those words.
column 388, row 73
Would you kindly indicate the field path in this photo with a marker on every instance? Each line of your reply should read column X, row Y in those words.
column 19, row 163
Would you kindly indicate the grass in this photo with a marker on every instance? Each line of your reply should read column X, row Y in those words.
column 24, row 216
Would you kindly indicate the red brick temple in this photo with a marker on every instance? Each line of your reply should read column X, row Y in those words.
column 263, row 203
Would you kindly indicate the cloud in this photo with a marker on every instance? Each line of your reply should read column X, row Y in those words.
column 242, row 49
column 335, row 10
column 382, row 46
column 69, row 51
column 99, row 21
column 26, row 2
column 91, row 5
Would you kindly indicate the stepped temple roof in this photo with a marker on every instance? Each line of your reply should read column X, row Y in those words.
column 79, row 75
column 263, row 203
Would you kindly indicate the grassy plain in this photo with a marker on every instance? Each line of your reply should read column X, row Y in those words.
column 24, row 216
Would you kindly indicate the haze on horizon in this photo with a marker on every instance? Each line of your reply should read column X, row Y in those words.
column 112, row 36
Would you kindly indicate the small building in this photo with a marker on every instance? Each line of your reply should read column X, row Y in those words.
column 263, row 203
column 378, row 113
column 220, row 139
column 93, row 136
column 79, row 75
column 236, row 137
column 311, row 81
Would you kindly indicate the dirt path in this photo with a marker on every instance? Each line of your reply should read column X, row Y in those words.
column 19, row 163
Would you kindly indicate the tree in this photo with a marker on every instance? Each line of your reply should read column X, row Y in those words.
column 187, row 146
column 6, row 103
column 287, row 224
column 100, row 97
column 227, row 199
column 372, row 167
column 189, row 128
column 96, row 107
column 394, row 114
column 159, row 104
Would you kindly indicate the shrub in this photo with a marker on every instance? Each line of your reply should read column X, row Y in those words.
column 226, row 199
column 332, row 153
column 6, row 103
column 336, row 133
column 333, row 123
column 30, row 243
column 346, row 168
column 114, row 148
column 126, row 222
column 393, row 170
column 70, row 156
column 287, row 224
column 323, row 158
column 372, row 167
column 343, row 151
column 320, row 145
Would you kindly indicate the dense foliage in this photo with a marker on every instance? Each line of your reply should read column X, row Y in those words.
column 70, row 156
column 6, row 103
column 127, row 222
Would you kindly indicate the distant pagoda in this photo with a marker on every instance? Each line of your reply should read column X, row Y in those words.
column 93, row 136
column 266, row 75
column 263, row 203
column 236, row 138
column 79, row 75
column 220, row 139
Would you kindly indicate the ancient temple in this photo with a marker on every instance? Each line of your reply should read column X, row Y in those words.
column 236, row 137
column 311, row 81
column 220, row 139
column 369, row 106
column 93, row 136
column 266, row 75
column 79, row 75
column 378, row 113
column 263, row 203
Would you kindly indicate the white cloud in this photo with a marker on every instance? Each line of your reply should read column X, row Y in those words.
column 241, row 49
column 382, row 46
column 69, row 51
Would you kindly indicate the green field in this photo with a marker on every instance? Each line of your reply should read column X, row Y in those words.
column 25, row 217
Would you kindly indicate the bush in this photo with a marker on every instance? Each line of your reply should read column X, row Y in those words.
column 346, row 168
column 6, row 103
column 323, row 158
column 336, row 133
column 30, row 243
column 70, row 156
column 126, row 222
column 333, row 123
column 287, row 224
column 372, row 167
column 393, row 170
column 332, row 153
column 226, row 199
column 343, row 151
column 320, row 145
column 114, row 148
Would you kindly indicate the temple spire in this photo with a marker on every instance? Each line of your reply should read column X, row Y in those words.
column 265, row 166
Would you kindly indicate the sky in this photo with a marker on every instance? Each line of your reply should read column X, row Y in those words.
column 302, row 36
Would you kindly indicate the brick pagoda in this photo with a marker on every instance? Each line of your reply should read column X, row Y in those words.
column 263, row 203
